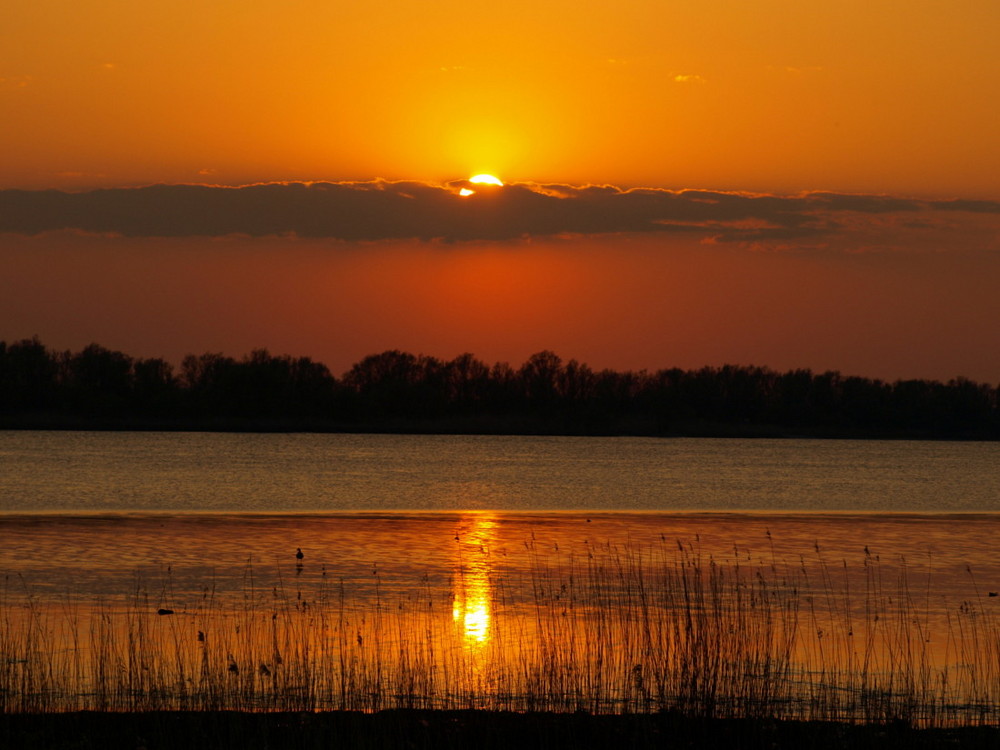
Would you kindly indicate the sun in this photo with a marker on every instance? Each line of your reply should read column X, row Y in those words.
column 486, row 179
column 481, row 179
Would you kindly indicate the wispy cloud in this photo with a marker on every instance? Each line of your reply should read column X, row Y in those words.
column 688, row 78
column 800, row 70
column 383, row 210
column 13, row 82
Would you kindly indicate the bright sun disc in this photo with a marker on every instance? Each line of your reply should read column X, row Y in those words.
column 485, row 179
column 480, row 179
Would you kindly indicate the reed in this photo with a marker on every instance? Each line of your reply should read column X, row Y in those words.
column 618, row 629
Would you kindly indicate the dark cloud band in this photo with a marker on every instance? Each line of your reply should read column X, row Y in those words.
column 382, row 210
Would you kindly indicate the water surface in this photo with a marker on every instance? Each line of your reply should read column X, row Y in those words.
column 484, row 554
column 196, row 472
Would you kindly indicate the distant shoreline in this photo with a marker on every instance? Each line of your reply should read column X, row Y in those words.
column 473, row 729
column 513, row 426
column 398, row 392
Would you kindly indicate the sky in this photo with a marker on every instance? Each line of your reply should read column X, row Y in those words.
column 776, row 183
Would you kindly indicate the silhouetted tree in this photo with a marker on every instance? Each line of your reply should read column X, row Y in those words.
column 540, row 376
column 466, row 382
column 314, row 389
column 866, row 402
column 395, row 388
column 155, row 390
column 395, row 384
column 98, row 381
column 663, row 399
column 504, row 390
column 208, row 381
column 27, row 377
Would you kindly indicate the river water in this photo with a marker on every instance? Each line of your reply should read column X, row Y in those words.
column 86, row 472
column 84, row 511
column 482, row 524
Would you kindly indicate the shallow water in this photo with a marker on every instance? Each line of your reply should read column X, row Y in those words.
column 557, row 611
column 892, row 539
column 100, row 555
column 84, row 512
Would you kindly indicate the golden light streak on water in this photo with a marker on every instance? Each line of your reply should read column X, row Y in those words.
column 472, row 608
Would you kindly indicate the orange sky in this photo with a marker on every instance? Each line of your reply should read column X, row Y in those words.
column 636, row 302
column 782, row 95
column 771, row 97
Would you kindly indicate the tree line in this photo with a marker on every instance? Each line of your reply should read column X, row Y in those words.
column 402, row 392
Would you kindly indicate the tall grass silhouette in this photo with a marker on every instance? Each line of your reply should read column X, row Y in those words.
column 600, row 628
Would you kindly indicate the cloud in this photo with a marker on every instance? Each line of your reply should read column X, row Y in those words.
column 15, row 82
column 803, row 70
column 688, row 78
column 384, row 210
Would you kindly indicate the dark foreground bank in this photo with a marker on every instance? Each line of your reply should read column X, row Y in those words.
column 464, row 730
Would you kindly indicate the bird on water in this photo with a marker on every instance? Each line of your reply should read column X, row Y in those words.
column 298, row 553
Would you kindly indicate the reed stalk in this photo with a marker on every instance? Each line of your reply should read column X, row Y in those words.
column 602, row 628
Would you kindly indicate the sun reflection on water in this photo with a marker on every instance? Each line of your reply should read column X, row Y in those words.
column 472, row 608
